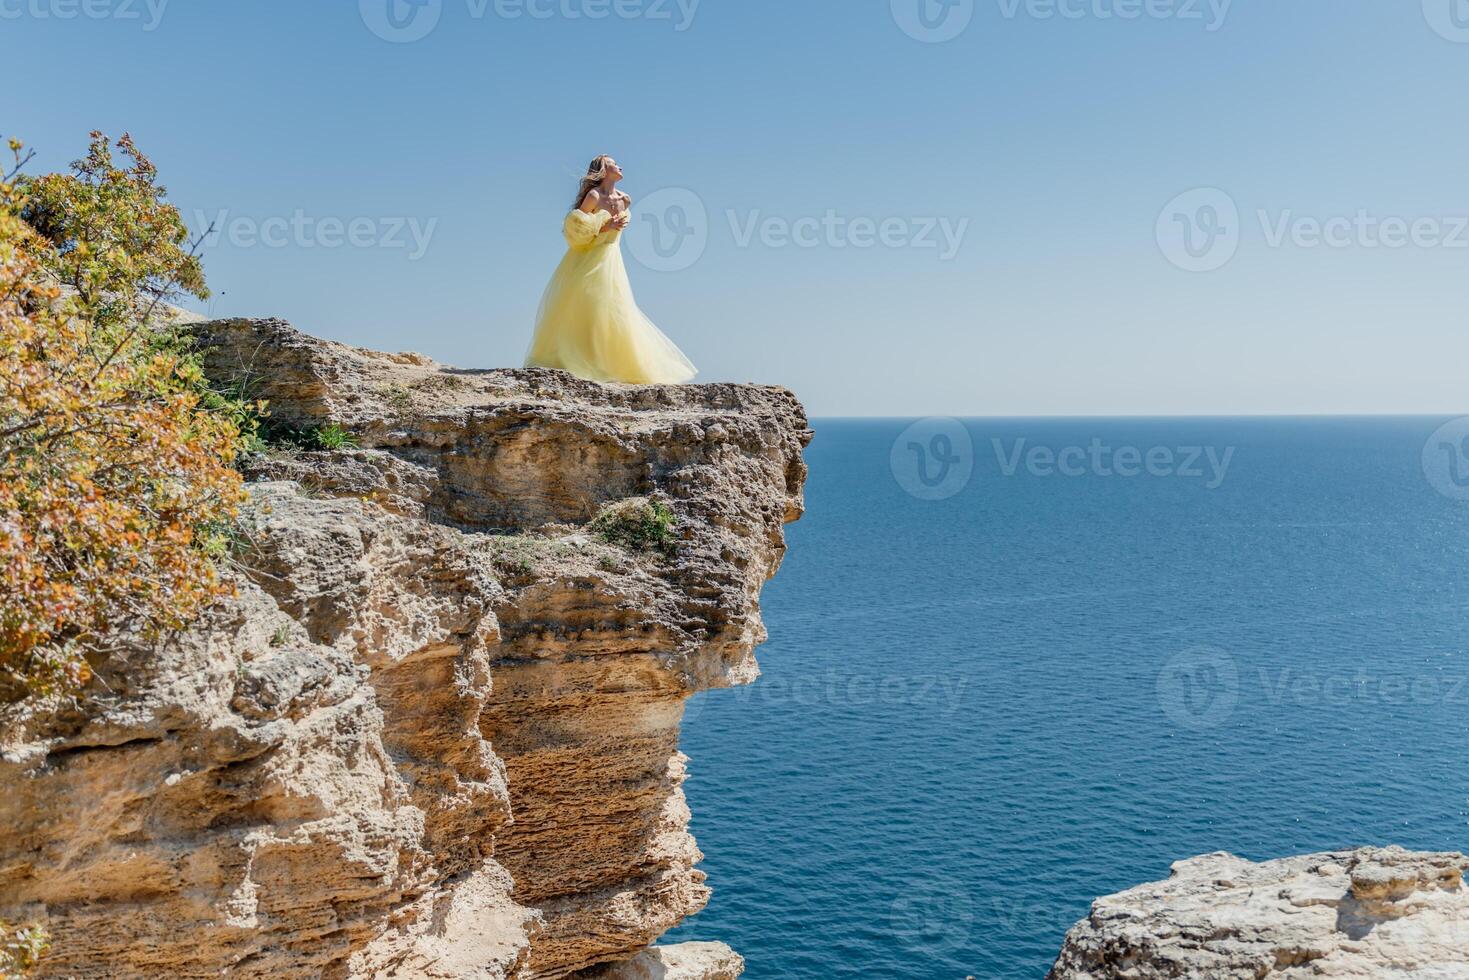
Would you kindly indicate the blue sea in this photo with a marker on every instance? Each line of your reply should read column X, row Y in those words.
column 1015, row 665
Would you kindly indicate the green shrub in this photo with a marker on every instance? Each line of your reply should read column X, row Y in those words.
column 333, row 437
column 639, row 524
column 272, row 434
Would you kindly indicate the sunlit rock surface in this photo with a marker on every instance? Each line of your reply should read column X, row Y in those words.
column 1370, row 913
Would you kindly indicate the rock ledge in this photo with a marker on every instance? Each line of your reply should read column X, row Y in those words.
column 1374, row 912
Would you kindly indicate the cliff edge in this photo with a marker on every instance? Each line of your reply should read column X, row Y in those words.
column 435, row 734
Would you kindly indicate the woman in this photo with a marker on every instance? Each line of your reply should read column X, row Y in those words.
column 589, row 323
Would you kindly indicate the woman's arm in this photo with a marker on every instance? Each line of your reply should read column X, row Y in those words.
column 593, row 203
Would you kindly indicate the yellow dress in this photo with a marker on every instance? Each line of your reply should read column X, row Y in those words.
column 589, row 323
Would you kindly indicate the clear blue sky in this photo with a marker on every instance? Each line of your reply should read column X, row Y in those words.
column 1058, row 139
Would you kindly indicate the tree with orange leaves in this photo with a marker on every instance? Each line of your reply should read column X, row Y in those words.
column 117, row 491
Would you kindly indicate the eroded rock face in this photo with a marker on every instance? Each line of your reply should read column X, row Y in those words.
column 435, row 734
column 1370, row 913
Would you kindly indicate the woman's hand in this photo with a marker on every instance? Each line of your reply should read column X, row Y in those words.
column 618, row 222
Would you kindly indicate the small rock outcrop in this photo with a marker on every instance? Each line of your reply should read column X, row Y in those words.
column 1370, row 913
column 435, row 733
column 686, row 961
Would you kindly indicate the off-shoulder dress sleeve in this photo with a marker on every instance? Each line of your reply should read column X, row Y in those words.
column 582, row 229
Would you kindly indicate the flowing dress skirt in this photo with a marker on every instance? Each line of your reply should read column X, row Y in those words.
column 589, row 323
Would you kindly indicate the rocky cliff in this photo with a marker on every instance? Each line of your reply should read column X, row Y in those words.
column 436, row 732
column 1370, row 913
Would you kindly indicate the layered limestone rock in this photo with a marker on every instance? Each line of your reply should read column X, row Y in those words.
column 1370, row 913
column 436, row 732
